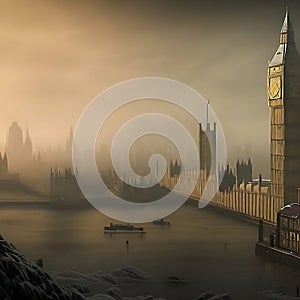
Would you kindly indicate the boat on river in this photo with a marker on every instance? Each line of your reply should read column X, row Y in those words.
column 161, row 222
column 123, row 228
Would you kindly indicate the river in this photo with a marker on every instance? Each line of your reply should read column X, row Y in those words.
column 210, row 250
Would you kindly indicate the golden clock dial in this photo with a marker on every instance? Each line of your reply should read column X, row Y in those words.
column 275, row 87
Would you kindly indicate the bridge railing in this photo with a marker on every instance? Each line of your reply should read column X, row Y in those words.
column 254, row 204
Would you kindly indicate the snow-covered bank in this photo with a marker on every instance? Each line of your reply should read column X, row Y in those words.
column 23, row 279
column 125, row 279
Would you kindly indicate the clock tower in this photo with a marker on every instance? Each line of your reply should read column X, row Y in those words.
column 283, row 81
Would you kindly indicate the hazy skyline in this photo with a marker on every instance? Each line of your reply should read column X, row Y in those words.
column 57, row 56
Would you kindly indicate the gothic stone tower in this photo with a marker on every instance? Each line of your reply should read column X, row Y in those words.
column 284, row 101
column 207, row 155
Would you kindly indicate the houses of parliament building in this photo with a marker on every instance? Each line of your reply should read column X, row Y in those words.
column 264, row 199
column 260, row 199
column 283, row 86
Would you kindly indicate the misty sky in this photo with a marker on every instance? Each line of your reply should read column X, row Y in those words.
column 58, row 55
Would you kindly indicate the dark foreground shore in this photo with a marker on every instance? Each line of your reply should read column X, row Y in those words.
column 23, row 279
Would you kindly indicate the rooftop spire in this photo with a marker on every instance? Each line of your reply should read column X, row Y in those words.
column 287, row 33
column 284, row 28
column 207, row 122
column 287, row 41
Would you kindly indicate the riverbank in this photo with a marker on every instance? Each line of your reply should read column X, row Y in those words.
column 279, row 255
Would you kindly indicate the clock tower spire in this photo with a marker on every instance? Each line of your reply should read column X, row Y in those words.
column 287, row 32
column 283, row 82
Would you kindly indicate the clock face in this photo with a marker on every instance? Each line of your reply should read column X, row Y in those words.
column 275, row 87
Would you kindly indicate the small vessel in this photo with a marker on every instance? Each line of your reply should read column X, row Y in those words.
column 123, row 228
column 161, row 222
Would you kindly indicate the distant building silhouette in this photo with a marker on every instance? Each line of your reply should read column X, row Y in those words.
column 19, row 151
column 4, row 174
column 207, row 155
column 228, row 180
column 27, row 146
column 64, row 187
column 241, row 174
column 243, row 171
column 175, row 168
column 14, row 144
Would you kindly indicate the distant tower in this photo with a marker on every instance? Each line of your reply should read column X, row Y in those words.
column 3, row 166
column 283, row 82
column 243, row 172
column 14, row 146
column 207, row 155
column 211, row 134
column 14, row 138
column 27, row 146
